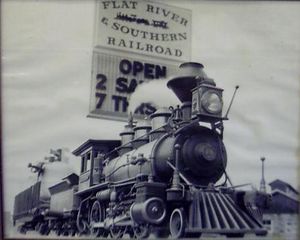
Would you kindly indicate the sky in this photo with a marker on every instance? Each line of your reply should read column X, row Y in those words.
column 46, row 75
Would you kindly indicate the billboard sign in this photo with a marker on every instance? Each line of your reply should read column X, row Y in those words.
column 144, row 27
column 115, row 77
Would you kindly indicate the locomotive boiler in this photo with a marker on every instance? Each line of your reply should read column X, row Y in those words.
column 162, row 178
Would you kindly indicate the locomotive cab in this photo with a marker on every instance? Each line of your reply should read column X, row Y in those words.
column 92, row 163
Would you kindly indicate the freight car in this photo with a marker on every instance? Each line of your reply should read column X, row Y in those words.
column 161, row 178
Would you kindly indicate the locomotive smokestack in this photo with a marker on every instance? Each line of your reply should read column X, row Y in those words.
column 187, row 78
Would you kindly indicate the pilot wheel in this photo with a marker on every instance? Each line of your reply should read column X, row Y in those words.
column 177, row 223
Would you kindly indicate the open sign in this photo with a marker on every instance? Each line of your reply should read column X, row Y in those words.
column 115, row 78
column 149, row 70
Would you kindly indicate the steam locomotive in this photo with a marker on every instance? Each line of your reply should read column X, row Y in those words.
column 160, row 179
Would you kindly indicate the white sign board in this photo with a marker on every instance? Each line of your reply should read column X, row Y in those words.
column 115, row 76
column 144, row 27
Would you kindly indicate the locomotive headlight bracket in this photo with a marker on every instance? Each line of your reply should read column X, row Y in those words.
column 207, row 103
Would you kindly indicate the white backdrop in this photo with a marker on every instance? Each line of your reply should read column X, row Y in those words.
column 46, row 71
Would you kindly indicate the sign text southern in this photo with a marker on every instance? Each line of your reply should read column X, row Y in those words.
column 144, row 27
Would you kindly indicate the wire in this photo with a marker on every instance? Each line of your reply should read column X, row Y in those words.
column 115, row 170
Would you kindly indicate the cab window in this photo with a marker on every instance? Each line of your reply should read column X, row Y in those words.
column 86, row 162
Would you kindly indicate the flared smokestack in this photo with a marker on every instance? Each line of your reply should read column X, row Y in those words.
column 186, row 80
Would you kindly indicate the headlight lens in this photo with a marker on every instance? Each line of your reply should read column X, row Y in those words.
column 212, row 102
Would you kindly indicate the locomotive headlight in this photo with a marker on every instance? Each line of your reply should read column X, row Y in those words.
column 212, row 102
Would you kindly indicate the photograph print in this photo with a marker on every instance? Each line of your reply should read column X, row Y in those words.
column 150, row 119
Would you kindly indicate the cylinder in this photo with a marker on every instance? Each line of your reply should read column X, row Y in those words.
column 153, row 210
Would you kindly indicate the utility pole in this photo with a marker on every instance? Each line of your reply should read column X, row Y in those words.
column 262, row 181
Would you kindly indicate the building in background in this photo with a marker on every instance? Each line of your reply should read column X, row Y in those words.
column 281, row 218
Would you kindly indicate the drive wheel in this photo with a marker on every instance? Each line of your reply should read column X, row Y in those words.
column 141, row 231
column 96, row 216
column 177, row 223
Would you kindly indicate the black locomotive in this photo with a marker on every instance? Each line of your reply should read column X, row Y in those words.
column 159, row 179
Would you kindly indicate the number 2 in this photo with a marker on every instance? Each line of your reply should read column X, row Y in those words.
column 102, row 81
